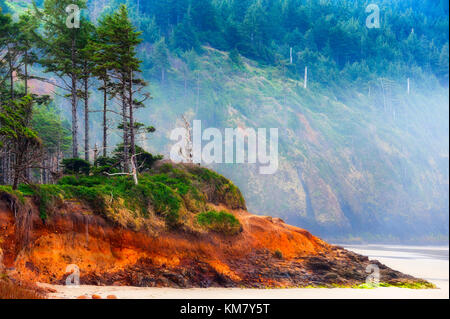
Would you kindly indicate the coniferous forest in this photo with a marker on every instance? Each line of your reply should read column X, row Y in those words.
column 362, row 112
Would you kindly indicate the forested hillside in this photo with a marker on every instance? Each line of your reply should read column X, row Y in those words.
column 363, row 146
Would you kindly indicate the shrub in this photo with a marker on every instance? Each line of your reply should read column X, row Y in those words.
column 105, row 161
column 166, row 168
column 90, row 195
column 47, row 197
column 106, row 165
column 144, row 160
column 8, row 191
column 278, row 254
column 220, row 222
column 168, row 191
column 166, row 203
column 87, row 181
column 76, row 166
column 218, row 189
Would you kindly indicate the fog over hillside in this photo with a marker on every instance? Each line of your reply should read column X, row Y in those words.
column 364, row 148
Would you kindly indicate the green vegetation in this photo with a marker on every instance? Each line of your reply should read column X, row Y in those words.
column 173, row 193
column 18, row 136
column 278, row 254
column 223, row 191
column 220, row 222
column 417, row 285
column 330, row 37
column 33, row 138
column 76, row 166
column 358, row 152
column 7, row 190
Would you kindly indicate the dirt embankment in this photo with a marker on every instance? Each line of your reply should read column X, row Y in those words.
column 267, row 253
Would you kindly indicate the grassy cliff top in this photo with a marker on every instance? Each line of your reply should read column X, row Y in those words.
column 174, row 194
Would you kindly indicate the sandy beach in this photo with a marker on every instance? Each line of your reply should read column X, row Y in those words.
column 430, row 263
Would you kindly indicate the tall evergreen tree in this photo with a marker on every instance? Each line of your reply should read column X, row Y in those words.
column 101, row 54
column 161, row 58
column 185, row 36
column 16, row 131
column 5, row 38
column 61, row 47
column 87, row 65
column 118, row 45
column 27, row 26
column 9, row 52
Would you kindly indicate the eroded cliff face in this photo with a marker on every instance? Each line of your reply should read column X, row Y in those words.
column 267, row 253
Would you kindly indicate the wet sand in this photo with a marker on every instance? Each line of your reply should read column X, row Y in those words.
column 430, row 263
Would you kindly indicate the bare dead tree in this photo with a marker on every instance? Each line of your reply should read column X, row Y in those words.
column 187, row 153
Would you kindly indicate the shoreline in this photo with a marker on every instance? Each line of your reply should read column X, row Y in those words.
column 420, row 261
column 64, row 292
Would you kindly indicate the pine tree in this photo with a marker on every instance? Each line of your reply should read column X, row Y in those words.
column 9, row 52
column 204, row 15
column 56, row 139
column 185, row 36
column 5, row 25
column 16, row 132
column 27, row 26
column 100, row 51
column 87, row 65
column 161, row 58
column 61, row 47
column 118, row 43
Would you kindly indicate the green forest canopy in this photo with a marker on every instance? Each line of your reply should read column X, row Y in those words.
column 329, row 35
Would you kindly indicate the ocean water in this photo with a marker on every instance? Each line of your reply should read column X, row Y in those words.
column 427, row 262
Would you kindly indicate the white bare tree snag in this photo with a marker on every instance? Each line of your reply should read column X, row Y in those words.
column 384, row 95
column 305, row 84
column 134, row 170
column 188, row 152
column 95, row 153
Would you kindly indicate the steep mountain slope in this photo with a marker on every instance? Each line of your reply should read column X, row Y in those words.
column 348, row 164
column 359, row 156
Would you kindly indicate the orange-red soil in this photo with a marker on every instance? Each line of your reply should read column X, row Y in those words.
column 268, row 253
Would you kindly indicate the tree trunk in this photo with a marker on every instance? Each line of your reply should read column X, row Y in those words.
column 74, row 104
column 132, row 136
column 18, row 167
column 26, row 72
column 86, row 113
column 16, row 181
column 11, row 78
column 105, row 127
column 10, row 161
column 126, row 153
column 198, row 92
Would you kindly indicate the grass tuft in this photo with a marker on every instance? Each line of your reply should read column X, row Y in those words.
column 220, row 222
